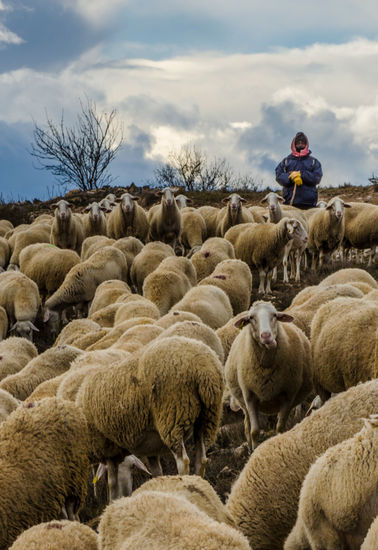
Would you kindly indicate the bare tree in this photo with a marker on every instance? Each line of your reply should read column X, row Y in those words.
column 79, row 155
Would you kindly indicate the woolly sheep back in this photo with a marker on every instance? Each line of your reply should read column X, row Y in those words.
column 15, row 353
column 212, row 252
column 8, row 403
column 57, row 535
column 176, row 316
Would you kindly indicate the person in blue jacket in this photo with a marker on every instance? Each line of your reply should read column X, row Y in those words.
column 299, row 174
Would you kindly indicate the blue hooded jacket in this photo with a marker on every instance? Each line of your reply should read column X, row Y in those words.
column 306, row 195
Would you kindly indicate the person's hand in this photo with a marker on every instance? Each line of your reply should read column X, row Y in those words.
column 294, row 174
column 298, row 180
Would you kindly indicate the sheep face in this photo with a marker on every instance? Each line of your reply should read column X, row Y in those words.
column 167, row 196
column 127, row 203
column 262, row 321
column 183, row 201
column 24, row 329
column 94, row 210
column 272, row 200
column 336, row 206
column 62, row 210
column 297, row 232
column 234, row 204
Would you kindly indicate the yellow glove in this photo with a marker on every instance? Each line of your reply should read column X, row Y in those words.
column 294, row 174
column 298, row 180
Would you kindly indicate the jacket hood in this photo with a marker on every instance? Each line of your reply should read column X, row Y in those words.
column 304, row 152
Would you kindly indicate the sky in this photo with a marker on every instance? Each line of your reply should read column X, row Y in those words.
column 235, row 79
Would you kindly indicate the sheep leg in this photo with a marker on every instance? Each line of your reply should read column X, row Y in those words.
column 200, row 460
column 283, row 415
column 155, row 466
column 268, row 280
column 112, row 466
column 313, row 263
column 321, row 256
column 69, row 508
column 182, row 460
column 298, row 256
column 250, row 401
column 262, row 275
column 274, row 276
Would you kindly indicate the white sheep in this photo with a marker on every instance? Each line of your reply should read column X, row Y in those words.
column 349, row 275
column 134, row 306
column 67, row 228
column 149, row 419
column 370, row 542
column 74, row 330
column 3, row 323
column 264, row 499
column 95, row 222
column 344, row 344
column 5, row 253
column 169, row 282
column 326, row 230
column 5, row 226
column 57, row 535
column 15, row 353
column 19, row 296
column 8, row 403
column 47, row 265
column 146, row 261
column 193, row 230
column 361, row 228
column 209, row 302
column 232, row 214
column 117, row 331
column 44, row 445
column 93, row 244
column 338, row 499
column 209, row 214
column 80, row 283
column 235, row 278
column 165, row 219
column 162, row 521
column 107, row 293
column 263, row 246
column 182, row 201
column 40, row 233
column 130, row 247
column 176, row 316
column 269, row 367
column 128, row 219
column 212, row 252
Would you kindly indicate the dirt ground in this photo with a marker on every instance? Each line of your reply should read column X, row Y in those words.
column 228, row 455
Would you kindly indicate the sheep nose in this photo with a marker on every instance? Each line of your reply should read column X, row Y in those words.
column 265, row 335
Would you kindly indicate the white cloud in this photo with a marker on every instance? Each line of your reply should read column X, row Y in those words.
column 94, row 11
column 9, row 37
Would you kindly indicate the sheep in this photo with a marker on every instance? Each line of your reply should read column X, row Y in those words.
column 128, row 219
column 57, row 535
column 370, row 542
column 8, row 404
column 235, row 278
column 349, row 275
column 361, row 228
column 259, row 213
column 40, row 233
column 130, row 247
column 194, row 489
column 95, row 222
column 169, row 282
column 93, row 244
column 125, row 474
column 137, row 337
column 5, row 253
column 48, row 388
column 165, row 220
column 338, row 499
column 232, row 214
column 67, row 228
column 326, row 230
column 209, row 214
column 263, row 246
column 160, row 520
column 197, row 331
column 107, row 293
column 146, row 261
column 304, row 313
column 47, row 266
column 105, row 316
column 52, row 362
column 5, row 226
column 176, row 316
column 182, row 201
column 80, row 283
column 269, row 367
column 74, row 330
column 37, row 480
column 212, row 252
column 19, row 296
column 89, row 339
column 15, row 353
column 193, row 230
column 344, row 344
column 117, row 331
column 264, row 500
column 3, row 323
column 108, row 204
column 136, row 306
column 209, row 302
column 149, row 420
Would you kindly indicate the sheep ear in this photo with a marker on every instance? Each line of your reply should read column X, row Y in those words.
column 135, row 198
column 264, row 199
column 265, row 217
column 135, row 461
column 13, row 327
column 87, row 208
column 347, row 205
column 100, row 472
column 53, row 205
column 105, row 209
column 242, row 200
column 159, row 193
column 189, row 201
column 241, row 322
column 284, row 317
column 280, row 198
column 226, row 199
column 33, row 327
column 46, row 315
